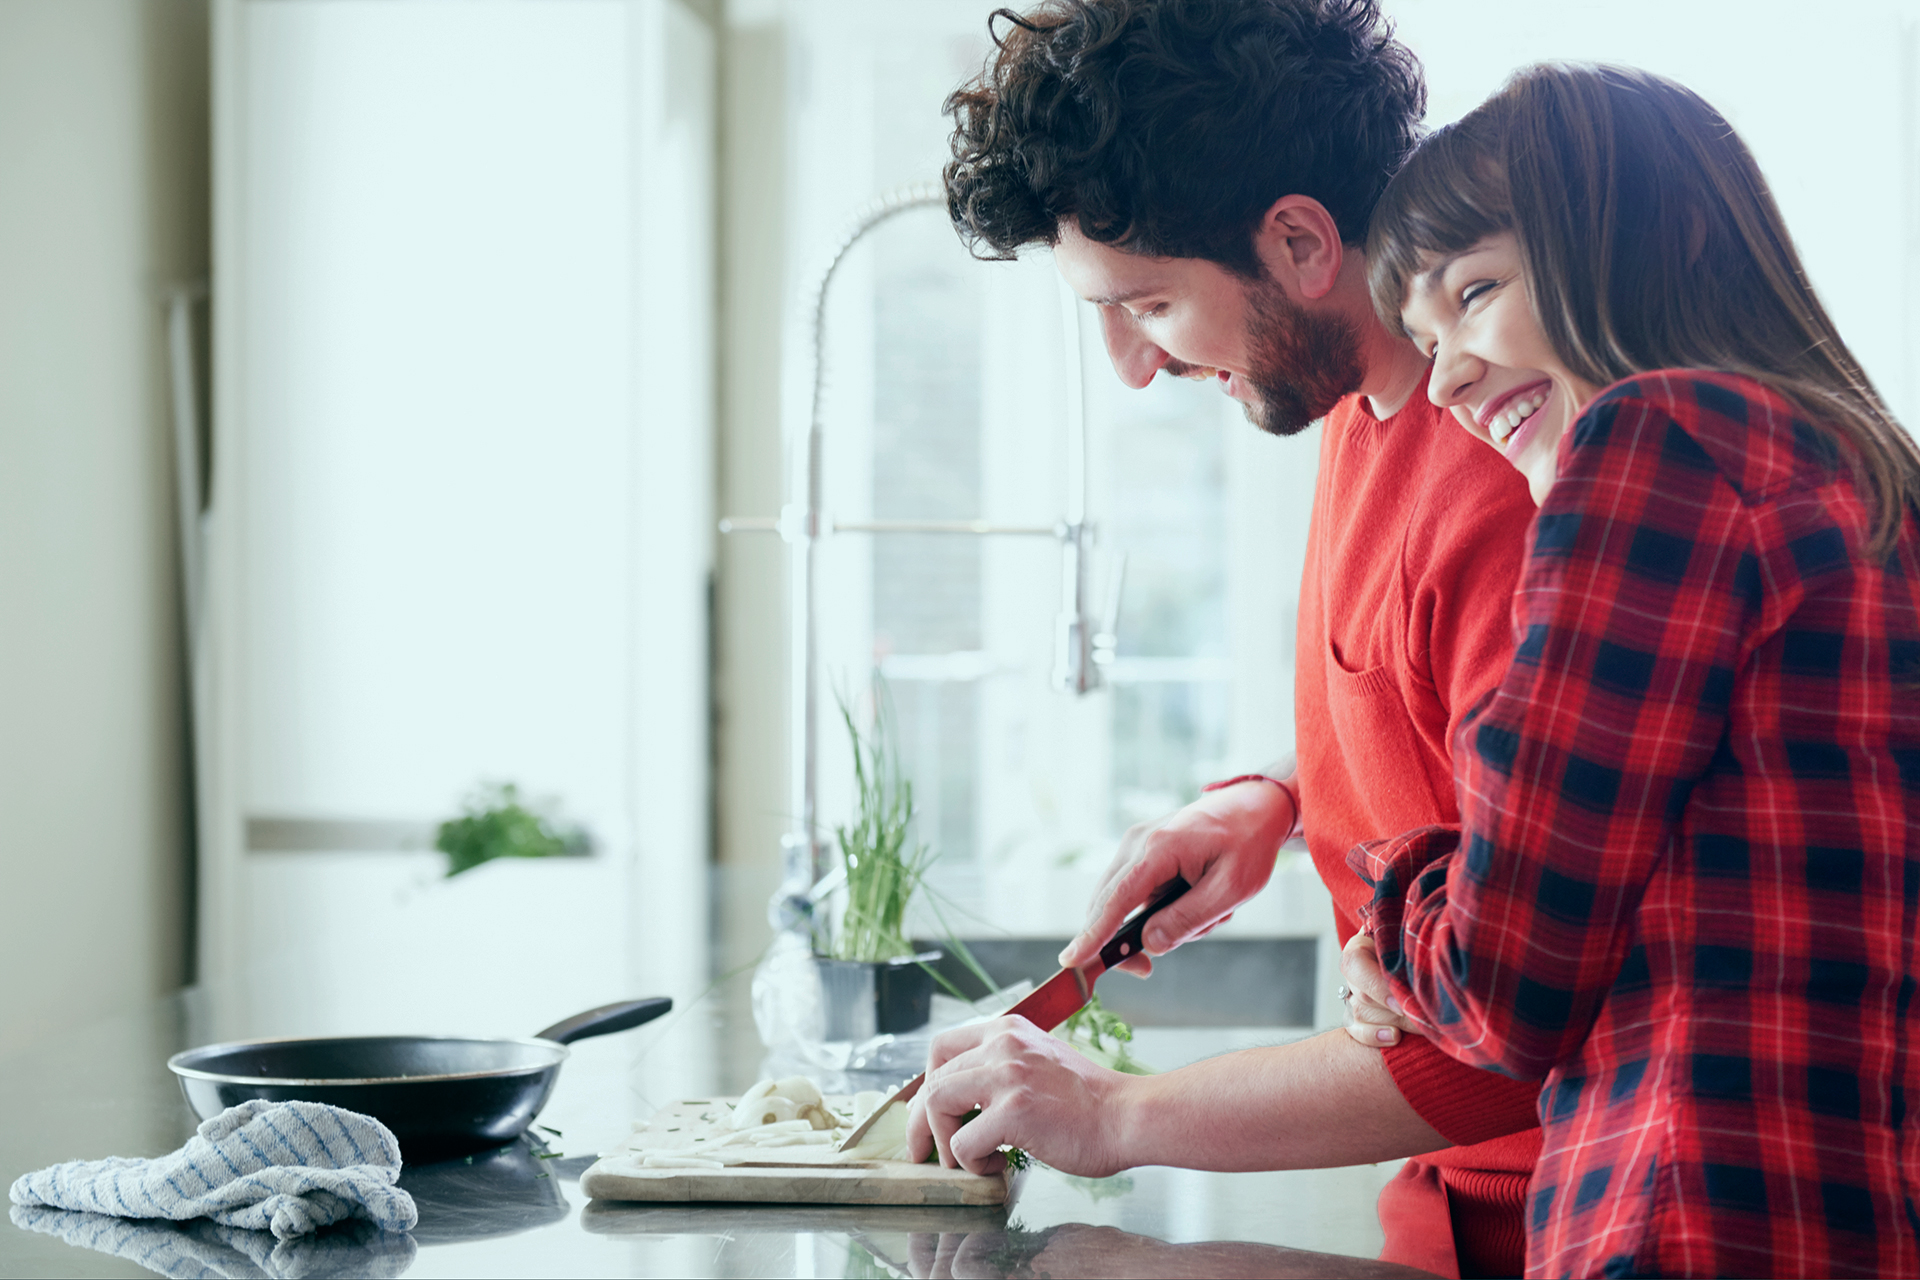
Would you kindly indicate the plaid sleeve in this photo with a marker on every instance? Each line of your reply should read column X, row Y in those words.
column 1639, row 591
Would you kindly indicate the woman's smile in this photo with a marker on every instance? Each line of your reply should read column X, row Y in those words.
column 1492, row 363
column 1502, row 417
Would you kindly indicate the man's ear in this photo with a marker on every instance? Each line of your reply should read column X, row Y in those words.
column 1299, row 243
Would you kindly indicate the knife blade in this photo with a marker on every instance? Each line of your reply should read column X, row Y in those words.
column 1053, row 1001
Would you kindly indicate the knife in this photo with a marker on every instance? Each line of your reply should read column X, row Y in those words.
column 1053, row 1001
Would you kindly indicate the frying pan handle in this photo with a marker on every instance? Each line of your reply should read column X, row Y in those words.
column 607, row 1019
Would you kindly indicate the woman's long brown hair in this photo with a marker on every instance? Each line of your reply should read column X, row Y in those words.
column 1650, row 241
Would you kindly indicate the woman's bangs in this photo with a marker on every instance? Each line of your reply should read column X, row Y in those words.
column 1450, row 195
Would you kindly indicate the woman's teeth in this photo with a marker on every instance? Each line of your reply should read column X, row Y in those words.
column 1508, row 420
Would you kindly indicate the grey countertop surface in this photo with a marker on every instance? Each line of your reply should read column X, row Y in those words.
column 518, row 1211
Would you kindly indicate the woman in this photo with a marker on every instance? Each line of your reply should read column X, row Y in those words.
column 1686, row 886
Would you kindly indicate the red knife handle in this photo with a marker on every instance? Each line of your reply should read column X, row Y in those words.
column 1127, row 942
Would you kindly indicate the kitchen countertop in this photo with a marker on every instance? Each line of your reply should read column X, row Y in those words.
column 518, row 1211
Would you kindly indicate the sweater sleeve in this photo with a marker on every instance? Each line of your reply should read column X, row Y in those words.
column 1637, row 596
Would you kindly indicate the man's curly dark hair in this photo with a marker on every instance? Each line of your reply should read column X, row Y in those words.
column 1169, row 127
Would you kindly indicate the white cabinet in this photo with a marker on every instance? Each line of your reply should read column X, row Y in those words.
column 460, row 526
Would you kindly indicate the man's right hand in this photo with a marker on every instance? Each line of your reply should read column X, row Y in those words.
column 1224, row 844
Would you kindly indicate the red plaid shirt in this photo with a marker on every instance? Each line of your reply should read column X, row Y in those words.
column 1686, row 883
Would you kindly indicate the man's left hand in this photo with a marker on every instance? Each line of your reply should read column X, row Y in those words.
column 1033, row 1091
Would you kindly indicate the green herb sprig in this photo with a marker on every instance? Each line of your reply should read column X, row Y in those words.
column 1092, row 1026
column 496, row 824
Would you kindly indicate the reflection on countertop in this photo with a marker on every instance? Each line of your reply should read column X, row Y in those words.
column 518, row 1210
column 958, row 1243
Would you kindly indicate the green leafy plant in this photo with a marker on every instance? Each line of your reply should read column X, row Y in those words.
column 494, row 823
column 883, row 869
column 1089, row 1029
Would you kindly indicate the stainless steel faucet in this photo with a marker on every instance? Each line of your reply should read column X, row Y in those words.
column 1083, row 646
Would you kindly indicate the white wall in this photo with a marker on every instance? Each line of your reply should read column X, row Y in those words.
column 462, row 527
column 102, row 203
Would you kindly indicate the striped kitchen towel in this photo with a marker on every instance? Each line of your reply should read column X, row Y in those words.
column 288, row 1167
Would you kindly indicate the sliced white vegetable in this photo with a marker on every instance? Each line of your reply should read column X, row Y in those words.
column 800, row 1089
column 757, row 1092
column 887, row 1140
column 760, row 1133
column 768, row 1110
column 864, row 1103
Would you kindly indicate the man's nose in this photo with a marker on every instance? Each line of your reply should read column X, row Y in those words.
column 1134, row 358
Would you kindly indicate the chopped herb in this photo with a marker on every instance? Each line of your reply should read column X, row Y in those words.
column 550, row 1129
column 550, row 1155
column 673, row 1131
column 1092, row 1025
column 538, row 1176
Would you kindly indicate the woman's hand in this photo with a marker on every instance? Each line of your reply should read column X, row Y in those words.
column 1374, row 1015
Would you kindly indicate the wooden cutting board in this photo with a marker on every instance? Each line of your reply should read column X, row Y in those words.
column 688, row 1126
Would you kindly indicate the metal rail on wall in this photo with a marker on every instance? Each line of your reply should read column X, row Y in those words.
column 1082, row 646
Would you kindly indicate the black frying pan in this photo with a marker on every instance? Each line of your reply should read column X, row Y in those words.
column 441, row 1096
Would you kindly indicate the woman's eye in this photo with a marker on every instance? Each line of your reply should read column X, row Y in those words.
column 1477, row 289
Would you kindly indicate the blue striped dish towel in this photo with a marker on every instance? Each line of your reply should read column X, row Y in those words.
column 288, row 1167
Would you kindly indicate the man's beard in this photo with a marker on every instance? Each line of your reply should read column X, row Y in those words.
column 1302, row 363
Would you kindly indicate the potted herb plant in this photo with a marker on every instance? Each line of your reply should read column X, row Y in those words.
column 497, row 823
column 871, row 978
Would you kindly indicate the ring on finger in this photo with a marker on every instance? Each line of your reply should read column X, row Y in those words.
column 1346, row 992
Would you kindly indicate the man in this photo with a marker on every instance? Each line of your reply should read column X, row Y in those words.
column 1203, row 171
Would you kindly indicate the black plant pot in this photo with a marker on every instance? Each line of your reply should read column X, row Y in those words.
column 866, row 998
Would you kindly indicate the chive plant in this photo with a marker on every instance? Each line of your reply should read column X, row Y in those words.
column 883, row 866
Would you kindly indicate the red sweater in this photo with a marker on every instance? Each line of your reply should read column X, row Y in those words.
column 1417, row 538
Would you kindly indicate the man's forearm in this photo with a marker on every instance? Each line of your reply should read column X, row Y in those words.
column 1314, row 1104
